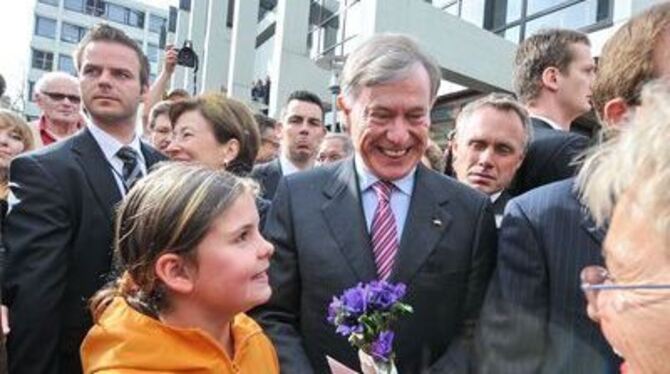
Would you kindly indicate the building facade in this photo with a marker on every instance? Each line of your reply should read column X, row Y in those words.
column 59, row 25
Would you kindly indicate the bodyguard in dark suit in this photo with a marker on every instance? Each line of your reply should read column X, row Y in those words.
column 326, row 226
column 534, row 319
column 553, row 75
column 58, row 233
column 302, row 131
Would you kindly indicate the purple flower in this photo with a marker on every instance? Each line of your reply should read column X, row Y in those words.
column 354, row 300
column 381, row 348
column 382, row 295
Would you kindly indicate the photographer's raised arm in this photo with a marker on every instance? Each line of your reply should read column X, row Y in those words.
column 160, row 85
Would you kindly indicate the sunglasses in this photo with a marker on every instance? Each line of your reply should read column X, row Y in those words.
column 55, row 96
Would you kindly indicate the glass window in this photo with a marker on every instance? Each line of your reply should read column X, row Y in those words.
column 573, row 17
column 152, row 52
column 156, row 23
column 31, row 90
column 76, row 5
column 116, row 13
column 172, row 25
column 512, row 34
column 66, row 64
column 136, row 18
column 71, row 33
column 535, row 6
column 50, row 2
column 45, row 27
column 95, row 7
column 43, row 60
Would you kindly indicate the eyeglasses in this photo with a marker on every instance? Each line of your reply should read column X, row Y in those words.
column 597, row 278
column 55, row 96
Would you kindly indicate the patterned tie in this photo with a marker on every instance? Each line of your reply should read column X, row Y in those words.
column 383, row 230
column 132, row 171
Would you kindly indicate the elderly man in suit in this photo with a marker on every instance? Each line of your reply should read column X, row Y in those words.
column 58, row 233
column 490, row 142
column 534, row 319
column 553, row 74
column 302, row 131
column 380, row 215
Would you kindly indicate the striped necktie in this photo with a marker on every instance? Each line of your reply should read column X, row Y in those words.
column 132, row 170
column 383, row 230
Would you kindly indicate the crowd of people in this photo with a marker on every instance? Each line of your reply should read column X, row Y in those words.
column 214, row 241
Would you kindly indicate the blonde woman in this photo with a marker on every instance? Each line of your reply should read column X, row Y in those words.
column 15, row 138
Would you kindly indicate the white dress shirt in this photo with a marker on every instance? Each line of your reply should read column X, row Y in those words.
column 287, row 166
column 110, row 146
column 549, row 122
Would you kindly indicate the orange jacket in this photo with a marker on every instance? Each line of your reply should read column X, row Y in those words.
column 126, row 341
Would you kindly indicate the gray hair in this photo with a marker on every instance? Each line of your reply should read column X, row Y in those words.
column 636, row 161
column 385, row 58
column 52, row 76
column 160, row 108
column 345, row 139
column 501, row 102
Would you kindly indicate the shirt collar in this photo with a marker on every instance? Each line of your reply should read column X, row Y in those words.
column 109, row 145
column 495, row 196
column 44, row 130
column 366, row 179
column 287, row 166
column 551, row 123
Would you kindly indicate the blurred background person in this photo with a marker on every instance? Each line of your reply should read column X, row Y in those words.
column 58, row 96
column 334, row 147
column 177, row 94
column 270, row 139
column 160, row 128
column 625, row 186
column 15, row 138
column 218, row 132
column 433, row 157
column 192, row 264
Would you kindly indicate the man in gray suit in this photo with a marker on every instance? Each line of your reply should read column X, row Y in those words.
column 534, row 319
column 326, row 225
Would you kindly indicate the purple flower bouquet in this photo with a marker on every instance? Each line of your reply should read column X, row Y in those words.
column 364, row 315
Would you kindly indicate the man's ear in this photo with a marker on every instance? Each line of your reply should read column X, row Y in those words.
column 174, row 271
column 615, row 112
column 346, row 111
column 550, row 77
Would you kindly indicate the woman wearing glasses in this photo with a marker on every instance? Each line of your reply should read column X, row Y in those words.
column 626, row 185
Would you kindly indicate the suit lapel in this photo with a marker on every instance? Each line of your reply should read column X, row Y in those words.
column 427, row 220
column 151, row 155
column 344, row 216
column 98, row 172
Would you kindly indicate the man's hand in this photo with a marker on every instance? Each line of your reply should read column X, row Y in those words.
column 170, row 59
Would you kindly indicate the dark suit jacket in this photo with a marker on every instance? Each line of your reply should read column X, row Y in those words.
column 534, row 319
column 268, row 176
column 322, row 247
column 549, row 158
column 59, row 246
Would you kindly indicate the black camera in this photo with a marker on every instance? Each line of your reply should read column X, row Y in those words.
column 186, row 56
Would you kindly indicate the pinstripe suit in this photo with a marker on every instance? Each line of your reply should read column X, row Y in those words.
column 534, row 319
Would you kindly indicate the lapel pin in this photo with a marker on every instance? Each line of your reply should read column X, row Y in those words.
column 437, row 222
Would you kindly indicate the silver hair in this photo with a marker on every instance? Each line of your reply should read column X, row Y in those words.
column 347, row 144
column 636, row 161
column 501, row 102
column 52, row 76
column 385, row 58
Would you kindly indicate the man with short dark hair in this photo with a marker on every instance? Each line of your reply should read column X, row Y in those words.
column 58, row 232
column 57, row 95
column 380, row 215
column 534, row 319
column 553, row 75
column 270, row 142
column 302, row 130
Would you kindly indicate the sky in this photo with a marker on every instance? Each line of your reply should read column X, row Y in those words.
column 16, row 17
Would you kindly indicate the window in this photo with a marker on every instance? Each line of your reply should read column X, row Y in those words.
column 43, row 60
column 152, row 52
column 517, row 19
column 136, row 18
column 76, row 5
column 50, row 2
column 156, row 23
column 71, row 33
column 116, row 13
column 94, row 8
column 66, row 64
column 45, row 27
column 172, row 24
column 31, row 90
